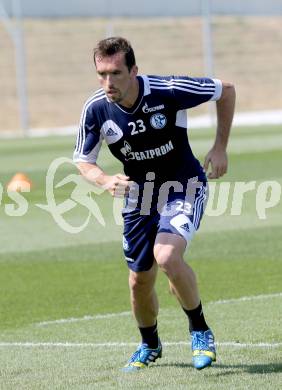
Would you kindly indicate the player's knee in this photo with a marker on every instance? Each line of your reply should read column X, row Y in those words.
column 167, row 259
column 134, row 281
column 139, row 281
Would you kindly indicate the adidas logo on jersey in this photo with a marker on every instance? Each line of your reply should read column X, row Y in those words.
column 111, row 132
column 186, row 227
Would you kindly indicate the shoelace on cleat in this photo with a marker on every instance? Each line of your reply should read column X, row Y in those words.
column 135, row 355
column 199, row 342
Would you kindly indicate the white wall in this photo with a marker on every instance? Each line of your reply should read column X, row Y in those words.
column 142, row 8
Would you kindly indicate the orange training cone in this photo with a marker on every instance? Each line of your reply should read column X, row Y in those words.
column 19, row 182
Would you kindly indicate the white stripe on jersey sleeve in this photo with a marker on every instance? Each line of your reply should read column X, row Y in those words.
column 218, row 89
column 185, row 81
column 193, row 86
column 196, row 92
column 99, row 95
column 91, row 157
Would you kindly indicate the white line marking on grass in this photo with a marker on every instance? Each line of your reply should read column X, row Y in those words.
column 246, row 298
column 248, row 345
column 84, row 318
column 120, row 344
column 128, row 313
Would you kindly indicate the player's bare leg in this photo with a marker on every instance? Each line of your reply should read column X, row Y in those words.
column 145, row 308
column 143, row 297
column 168, row 251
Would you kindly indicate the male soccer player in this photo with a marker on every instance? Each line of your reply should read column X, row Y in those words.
column 143, row 120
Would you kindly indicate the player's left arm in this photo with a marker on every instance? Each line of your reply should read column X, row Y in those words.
column 217, row 156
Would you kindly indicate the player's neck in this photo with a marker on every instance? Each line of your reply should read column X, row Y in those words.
column 132, row 95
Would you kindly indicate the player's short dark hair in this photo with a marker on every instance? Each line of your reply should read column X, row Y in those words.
column 113, row 45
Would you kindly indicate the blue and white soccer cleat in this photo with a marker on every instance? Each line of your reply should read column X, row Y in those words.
column 142, row 357
column 203, row 348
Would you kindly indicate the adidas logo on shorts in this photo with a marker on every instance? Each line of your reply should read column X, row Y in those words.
column 186, row 227
column 111, row 132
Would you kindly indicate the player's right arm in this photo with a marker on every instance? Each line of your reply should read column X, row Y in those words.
column 118, row 185
column 88, row 144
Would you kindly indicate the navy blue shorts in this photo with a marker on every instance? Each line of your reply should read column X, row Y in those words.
column 170, row 212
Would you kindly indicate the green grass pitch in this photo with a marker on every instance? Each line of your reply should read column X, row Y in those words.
column 65, row 319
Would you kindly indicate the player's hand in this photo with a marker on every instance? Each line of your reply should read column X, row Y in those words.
column 118, row 185
column 217, row 160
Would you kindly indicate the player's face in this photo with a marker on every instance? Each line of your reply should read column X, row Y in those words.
column 115, row 78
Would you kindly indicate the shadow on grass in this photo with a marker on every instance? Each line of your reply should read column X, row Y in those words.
column 232, row 368
column 252, row 368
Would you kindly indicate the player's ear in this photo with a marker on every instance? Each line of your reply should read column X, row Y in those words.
column 134, row 70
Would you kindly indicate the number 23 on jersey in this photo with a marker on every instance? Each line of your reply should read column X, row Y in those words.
column 137, row 127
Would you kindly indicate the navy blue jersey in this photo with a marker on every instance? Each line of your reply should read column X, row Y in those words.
column 152, row 135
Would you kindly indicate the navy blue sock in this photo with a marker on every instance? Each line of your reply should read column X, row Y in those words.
column 150, row 336
column 196, row 319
